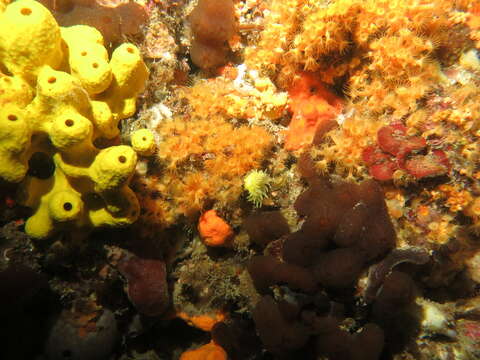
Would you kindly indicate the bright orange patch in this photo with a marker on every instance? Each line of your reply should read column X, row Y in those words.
column 213, row 230
column 313, row 108
column 474, row 19
column 203, row 322
column 210, row 351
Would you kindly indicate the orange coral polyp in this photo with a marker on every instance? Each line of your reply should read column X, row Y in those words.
column 210, row 351
column 312, row 106
column 213, row 230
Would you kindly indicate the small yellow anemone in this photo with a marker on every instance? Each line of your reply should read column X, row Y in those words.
column 257, row 184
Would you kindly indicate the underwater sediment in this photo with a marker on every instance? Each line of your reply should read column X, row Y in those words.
column 239, row 179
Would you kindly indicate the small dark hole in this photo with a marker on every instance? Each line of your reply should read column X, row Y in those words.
column 83, row 53
column 130, row 50
column 41, row 166
column 69, row 122
column 144, row 138
column 67, row 206
column 12, row 117
column 52, row 80
column 95, row 65
column 122, row 159
column 26, row 11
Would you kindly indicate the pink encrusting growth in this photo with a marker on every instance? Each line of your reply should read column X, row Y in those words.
column 396, row 150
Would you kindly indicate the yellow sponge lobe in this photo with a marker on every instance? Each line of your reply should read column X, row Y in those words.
column 15, row 90
column 29, row 39
column 143, row 142
column 113, row 167
column 88, row 58
column 57, row 205
column 14, row 142
column 129, row 76
column 65, row 206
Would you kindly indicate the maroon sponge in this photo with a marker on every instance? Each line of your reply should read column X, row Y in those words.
column 339, row 268
column 340, row 215
column 147, row 285
column 266, row 271
column 266, row 226
column 276, row 332
column 336, row 343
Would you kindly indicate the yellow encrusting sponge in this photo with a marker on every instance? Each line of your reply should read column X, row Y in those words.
column 29, row 39
column 88, row 58
column 14, row 142
column 59, row 92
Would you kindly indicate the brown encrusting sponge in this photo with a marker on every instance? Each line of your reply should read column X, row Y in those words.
column 213, row 24
column 308, row 278
column 340, row 215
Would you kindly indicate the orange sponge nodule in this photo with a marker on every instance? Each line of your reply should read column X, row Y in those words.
column 314, row 108
column 210, row 351
column 203, row 322
column 214, row 230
